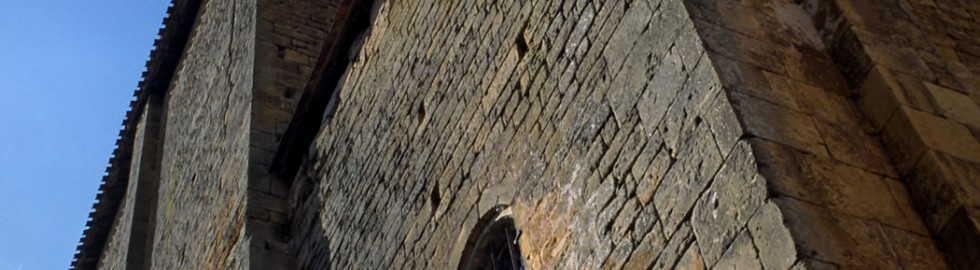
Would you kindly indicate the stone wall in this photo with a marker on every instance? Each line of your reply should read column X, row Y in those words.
column 127, row 244
column 289, row 37
column 117, row 248
column 637, row 134
column 603, row 126
column 200, row 221
column 915, row 65
column 840, row 196
column 598, row 122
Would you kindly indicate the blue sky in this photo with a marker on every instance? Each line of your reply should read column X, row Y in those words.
column 67, row 73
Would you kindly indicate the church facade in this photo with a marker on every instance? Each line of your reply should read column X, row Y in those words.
column 634, row 134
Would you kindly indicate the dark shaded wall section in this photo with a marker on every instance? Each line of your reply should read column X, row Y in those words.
column 833, row 95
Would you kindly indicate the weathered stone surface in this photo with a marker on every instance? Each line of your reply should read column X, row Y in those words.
column 685, row 114
column 692, row 259
column 660, row 93
column 859, row 151
column 817, row 245
column 875, row 96
column 958, row 233
column 200, row 215
column 916, row 251
column 845, row 241
column 686, row 180
column 593, row 151
column 740, row 255
column 955, row 105
column 622, row 135
column 772, row 238
column 831, row 184
column 648, row 249
column 943, row 135
column 676, row 248
column 911, row 92
column 807, row 263
column 724, row 124
column 779, row 124
column 728, row 204
column 117, row 249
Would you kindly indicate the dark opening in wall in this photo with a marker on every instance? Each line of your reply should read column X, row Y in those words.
column 521, row 42
column 521, row 46
column 493, row 243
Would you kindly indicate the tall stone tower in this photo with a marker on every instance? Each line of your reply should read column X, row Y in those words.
column 630, row 134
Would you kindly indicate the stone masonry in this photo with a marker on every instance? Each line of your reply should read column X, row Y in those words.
column 631, row 134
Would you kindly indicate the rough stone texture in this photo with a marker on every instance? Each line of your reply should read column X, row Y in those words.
column 127, row 247
column 200, row 222
column 917, row 83
column 117, row 249
column 725, row 208
column 740, row 255
column 602, row 132
column 771, row 238
column 790, row 86
column 666, row 134
column 288, row 38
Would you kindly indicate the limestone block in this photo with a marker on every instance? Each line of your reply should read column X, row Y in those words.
column 876, row 97
column 942, row 134
column 916, row 251
column 938, row 188
column 903, row 200
column 724, row 125
column 685, row 180
column 675, row 248
column 686, row 112
column 651, row 179
column 837, row 238
column 662, row 90
column 955, row 105
column 825, row 103
column 653, row 147
column 962, row 235
column 726, row 206
column 748, row 79
column 742, row 48
column 742, row 254
column 830, row 184
column 858, row 150
column 647, row 250
column 691, row 259
column 812, row 264
column 630, row 26
column 903, row 143
column 735, row 16
column 772, row 238
column 619, row 256
column 779, row 124
column 646, row 222
column 900, row 58
column 689, row 42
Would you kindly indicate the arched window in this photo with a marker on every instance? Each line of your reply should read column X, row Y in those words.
column 493, row 243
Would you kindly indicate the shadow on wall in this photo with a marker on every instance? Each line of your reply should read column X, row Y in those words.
column 312, row 241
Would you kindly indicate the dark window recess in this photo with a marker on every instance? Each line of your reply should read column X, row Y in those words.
column 493, row 244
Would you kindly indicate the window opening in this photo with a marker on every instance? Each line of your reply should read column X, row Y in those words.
column 494, row 244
